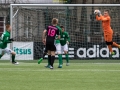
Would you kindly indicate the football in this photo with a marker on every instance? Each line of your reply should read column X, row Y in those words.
column 96, row 11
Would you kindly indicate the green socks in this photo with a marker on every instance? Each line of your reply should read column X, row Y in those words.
column 67, row 58
column 13, row 58
column 60, row 59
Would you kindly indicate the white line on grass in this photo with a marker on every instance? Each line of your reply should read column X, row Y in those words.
column 59, row 70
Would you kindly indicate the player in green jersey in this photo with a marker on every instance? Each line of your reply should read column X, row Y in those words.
column 58, row 48
column 64, row 41
column 4, row 40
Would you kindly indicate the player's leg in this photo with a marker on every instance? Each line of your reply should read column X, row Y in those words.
column 66, row 54
column 45, row 53
column 53, row 49
column 49, row 55
column 52, row 59
column 108, row 39
column 58, row 50
column 116, row 45
column 49, row 58
column 1, row 53
column 9, row 51
column 109, row 44
column 40, row 60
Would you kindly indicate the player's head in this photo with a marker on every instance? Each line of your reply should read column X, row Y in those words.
column 8, row 28
column 63, row 29
column 54, row 21
column 106, row 13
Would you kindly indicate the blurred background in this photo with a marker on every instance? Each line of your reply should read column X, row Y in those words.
column 84, row 30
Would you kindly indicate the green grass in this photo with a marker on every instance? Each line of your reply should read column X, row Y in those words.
column 80, row 75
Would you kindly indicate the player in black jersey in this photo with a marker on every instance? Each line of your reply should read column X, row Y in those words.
column 51, row 32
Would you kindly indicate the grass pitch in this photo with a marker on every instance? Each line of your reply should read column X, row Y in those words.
column 80, row 75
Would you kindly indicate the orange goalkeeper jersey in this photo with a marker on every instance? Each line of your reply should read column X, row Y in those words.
column 105, row 24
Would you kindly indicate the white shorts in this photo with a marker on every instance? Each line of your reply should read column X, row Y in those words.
column 6, row 50
column 64, row 48
column 58, row 48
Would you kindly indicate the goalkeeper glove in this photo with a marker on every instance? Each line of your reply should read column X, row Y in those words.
column 97, row 12
column 11, row 39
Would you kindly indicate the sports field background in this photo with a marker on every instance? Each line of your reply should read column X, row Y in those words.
column 80, row 75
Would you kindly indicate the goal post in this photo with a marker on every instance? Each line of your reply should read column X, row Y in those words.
column 87, row 41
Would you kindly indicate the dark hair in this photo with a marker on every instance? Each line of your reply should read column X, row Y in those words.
column 106, row 11
column 61, row 26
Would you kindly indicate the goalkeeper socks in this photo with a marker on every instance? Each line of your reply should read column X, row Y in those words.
column 52, row 60
column 60, row 59
column 67, row 58
column 1, row 56
column 13, row 58
column 49, row 59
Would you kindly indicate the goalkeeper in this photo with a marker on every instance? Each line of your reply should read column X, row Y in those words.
column 64, row 44
column 4, row 40
column 108, row 32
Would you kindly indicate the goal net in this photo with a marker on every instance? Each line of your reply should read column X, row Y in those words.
column 86, row 36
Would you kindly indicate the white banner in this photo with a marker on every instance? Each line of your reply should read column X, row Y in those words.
column 24, row 51
column 97, row 52
column 71, row 54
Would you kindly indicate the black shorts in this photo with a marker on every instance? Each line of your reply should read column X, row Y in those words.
column 50, row 47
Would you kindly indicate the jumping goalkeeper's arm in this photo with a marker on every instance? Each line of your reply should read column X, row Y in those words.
column 98, row 15
column 105, row 18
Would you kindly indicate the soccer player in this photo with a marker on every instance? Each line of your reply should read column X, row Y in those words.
column 4, row 40
column 108, row 32
column 51, row 32
column 64, row 44
column 58, row 49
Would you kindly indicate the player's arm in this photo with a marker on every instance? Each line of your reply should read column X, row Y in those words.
column 105, row 18
column 68, row 38
column 59, row 28
column 6, row 39
column 44, row 36
column 58, row 37
column 58, row 34
column 99, row 17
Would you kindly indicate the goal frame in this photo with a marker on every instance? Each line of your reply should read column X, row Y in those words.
column 60, row 5
column 50, row 5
